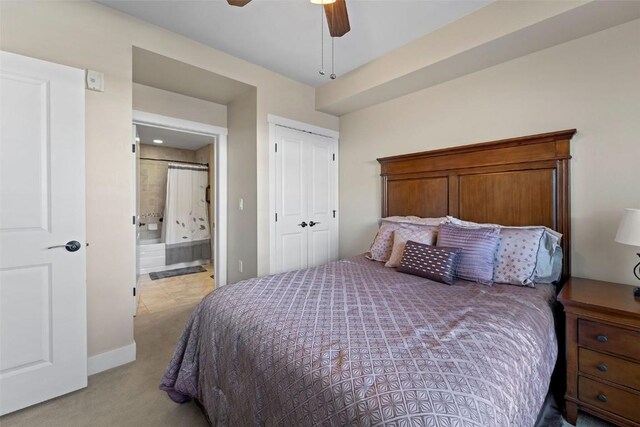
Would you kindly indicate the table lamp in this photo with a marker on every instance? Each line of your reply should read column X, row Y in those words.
column 629, row 232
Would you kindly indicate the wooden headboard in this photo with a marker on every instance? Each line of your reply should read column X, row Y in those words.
column 517, row 181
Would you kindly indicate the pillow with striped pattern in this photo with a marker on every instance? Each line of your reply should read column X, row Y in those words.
column 478, row 250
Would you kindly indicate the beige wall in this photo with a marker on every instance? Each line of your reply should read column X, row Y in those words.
column 242, row 224
column 153, row 184
column 163, row 102
column 591, row 84
column 88, row 35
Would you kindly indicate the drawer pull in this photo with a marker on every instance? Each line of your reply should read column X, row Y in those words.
column 602, row 367
column 602, row 398
column 602, row 339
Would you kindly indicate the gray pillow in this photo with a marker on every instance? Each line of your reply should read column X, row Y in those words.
column 478, row 250
column 549, row 266
column 428, row 261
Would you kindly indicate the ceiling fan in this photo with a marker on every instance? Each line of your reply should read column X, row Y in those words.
column 336, row 12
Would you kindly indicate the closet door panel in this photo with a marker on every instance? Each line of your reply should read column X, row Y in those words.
column 320, row 201
column 291, row 200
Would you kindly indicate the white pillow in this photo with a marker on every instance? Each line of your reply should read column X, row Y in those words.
column 426, row 236
column 416, row 220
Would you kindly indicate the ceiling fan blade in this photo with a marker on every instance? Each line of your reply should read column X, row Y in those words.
column 238, row 3
column 337, row 18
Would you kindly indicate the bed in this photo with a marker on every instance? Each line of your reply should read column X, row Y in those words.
column 355, row 343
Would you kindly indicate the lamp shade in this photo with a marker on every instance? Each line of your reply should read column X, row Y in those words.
column 629, row 229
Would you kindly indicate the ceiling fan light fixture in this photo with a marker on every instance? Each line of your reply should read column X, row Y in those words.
column 322, row 1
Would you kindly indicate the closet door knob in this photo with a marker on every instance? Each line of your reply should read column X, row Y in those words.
column 312, row 223
column 303, row 224
column 71, row 246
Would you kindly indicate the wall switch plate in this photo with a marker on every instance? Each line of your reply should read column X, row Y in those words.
column 94, row 80
column 240, row 265
column 241, row 204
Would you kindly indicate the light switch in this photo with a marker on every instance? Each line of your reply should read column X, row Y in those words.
column 241, row 204
column 95, row 80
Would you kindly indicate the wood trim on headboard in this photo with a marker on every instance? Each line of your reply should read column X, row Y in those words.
column 517, row 181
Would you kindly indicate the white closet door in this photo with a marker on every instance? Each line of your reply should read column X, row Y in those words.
column 321, row 191
column 43, row 323
column 291, row 202
column 306, row 200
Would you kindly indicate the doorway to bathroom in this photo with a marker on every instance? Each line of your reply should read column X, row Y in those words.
column 180, row 211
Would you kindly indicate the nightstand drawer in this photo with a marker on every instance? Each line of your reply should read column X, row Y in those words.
column 609, row 398
column 609, row 338
column 609, row 368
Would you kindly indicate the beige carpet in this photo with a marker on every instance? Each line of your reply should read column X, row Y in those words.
column 127, row 395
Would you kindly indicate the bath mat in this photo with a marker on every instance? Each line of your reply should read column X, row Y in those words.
column 177, row 272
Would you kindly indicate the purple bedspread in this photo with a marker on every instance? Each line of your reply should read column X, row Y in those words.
column 354, row 343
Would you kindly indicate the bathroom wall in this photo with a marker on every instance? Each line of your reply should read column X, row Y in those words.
column 153, row 184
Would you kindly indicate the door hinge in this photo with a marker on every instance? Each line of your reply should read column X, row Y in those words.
column 276, row 217
column 133, row 148
column 134, row 220
column 134, row 292
column 276, row 148
column 334, row 157
column 334, row 213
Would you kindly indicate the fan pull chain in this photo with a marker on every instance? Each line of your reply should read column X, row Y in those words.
column 321, row 41
column 333, row 74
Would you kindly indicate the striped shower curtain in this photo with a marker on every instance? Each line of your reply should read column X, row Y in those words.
column 186, row 226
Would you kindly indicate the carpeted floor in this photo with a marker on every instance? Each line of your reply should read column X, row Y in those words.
column 129, row 395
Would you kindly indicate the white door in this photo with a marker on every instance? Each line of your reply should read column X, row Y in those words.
column 306, row 200
column 43, row 335
column 291, row 200
column 135, row 161
column 321, row 201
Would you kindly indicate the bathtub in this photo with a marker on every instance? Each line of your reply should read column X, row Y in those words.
column 151, row 257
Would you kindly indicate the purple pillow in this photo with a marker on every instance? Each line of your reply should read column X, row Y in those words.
column 478, row 250
column 428, row 261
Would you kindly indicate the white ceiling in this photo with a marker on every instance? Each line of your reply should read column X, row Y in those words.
column 284, row 35
column 172, row 138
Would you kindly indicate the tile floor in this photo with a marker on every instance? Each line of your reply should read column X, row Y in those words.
column 161, row 294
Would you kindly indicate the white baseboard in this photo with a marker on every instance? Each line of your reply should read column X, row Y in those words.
column 111, row 359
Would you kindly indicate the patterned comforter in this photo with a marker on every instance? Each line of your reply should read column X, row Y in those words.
column 354, row 343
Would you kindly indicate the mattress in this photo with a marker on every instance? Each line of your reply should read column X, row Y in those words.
column 354, row 343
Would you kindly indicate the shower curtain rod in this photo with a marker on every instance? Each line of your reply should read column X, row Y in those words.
column 175, row 161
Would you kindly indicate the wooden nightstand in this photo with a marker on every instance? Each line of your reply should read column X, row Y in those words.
column 602, row 350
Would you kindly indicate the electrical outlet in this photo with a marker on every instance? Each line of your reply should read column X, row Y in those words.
column 240, row 265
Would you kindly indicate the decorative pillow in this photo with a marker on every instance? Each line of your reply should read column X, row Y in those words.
column 548, row 267
column 383, row 243
column 435, row 263
column 400, row 237
column 478, row 250
column 517, row 254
